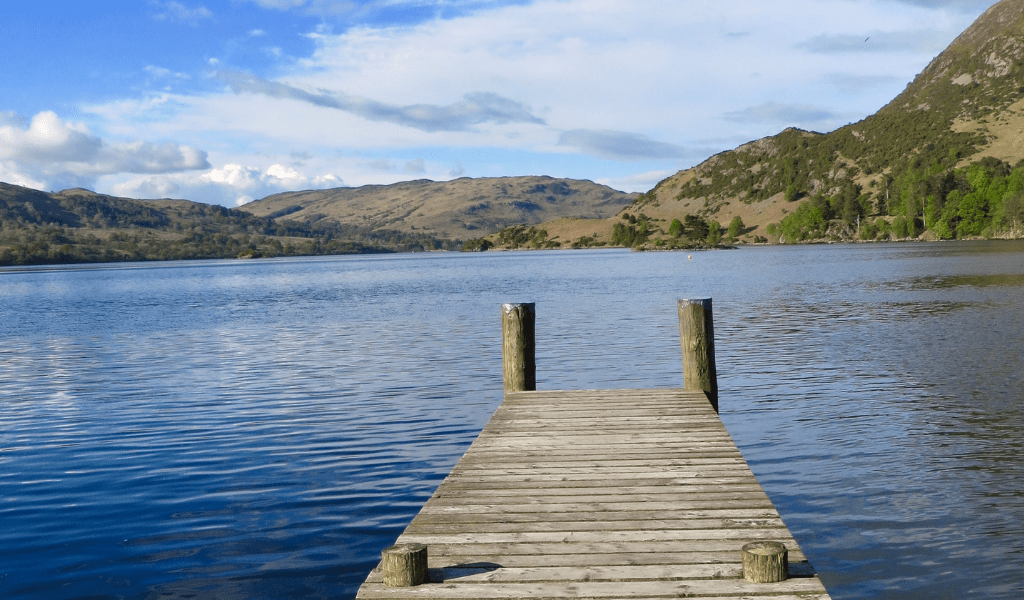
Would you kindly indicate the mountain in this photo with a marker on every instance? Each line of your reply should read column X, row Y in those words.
column 458, row 209
column 940, row 161
column 939, row 158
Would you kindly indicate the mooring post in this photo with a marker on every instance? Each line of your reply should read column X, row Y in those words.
column 404, row 565
column 697, row 338
column 765, row 562
column 517, row 347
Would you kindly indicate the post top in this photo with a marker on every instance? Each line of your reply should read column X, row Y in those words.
column 765, row 548
column 510, row 306
column 404, row 548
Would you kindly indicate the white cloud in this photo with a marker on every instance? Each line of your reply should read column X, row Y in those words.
column 176, row 11
column 474, row 108
column 575, row 87
column 781, row 115
column 230, row 184
column 619, row 145
column 57, row 154
column 162, row 73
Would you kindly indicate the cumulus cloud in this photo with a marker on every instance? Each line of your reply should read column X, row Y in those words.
column 619, row 145
column 55, row 153
column 784, row 115
column 229, row 184
column 473, row 109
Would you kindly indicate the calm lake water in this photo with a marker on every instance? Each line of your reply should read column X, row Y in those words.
column 243, row 429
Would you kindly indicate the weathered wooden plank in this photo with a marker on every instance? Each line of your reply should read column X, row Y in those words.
column 479, row 491
column 585, row 517
column 494, row 573
column 598, row 589
column 593, row 506
column 632, row 471
column 599, row 439
column 637, row 457
column 453, row 527
column 742, row 495
column 555, row 548
column 450, row 555
column 673, row 477
column 485, row 483
column 649, row 535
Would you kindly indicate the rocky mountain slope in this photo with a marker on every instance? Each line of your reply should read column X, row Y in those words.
column 910, row 162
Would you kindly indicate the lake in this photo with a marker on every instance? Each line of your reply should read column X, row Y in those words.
column 243, row 429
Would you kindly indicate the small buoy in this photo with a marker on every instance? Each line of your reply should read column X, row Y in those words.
column 689, row 257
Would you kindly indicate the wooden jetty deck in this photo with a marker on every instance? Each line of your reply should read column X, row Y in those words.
column 599, row 494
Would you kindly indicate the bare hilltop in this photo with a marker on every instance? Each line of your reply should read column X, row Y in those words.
column 459, row 209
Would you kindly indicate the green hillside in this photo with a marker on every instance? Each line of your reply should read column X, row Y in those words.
column 941, row 157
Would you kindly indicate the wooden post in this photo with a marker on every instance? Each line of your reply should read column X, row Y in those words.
column 697, row 338
column 404, row 565
column 765, row 562
column 517, row 347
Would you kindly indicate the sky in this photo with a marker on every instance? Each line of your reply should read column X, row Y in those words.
column 228, row 101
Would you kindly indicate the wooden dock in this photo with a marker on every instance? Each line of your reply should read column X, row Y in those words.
column 599, row 494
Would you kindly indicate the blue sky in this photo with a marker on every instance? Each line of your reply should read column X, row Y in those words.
column 230, row 101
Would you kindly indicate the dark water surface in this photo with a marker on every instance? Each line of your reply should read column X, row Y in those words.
column 244, row 429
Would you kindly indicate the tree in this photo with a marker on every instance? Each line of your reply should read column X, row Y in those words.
column 714, row 233
column 736, row 227
column 696, row 228
column 675, row 228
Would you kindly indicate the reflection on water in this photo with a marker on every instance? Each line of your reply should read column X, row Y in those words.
column 952, row 281
column 263, row 428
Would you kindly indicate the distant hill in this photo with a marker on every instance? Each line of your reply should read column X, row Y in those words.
column 458, row 209
column 942, row 160
column 77, row 225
